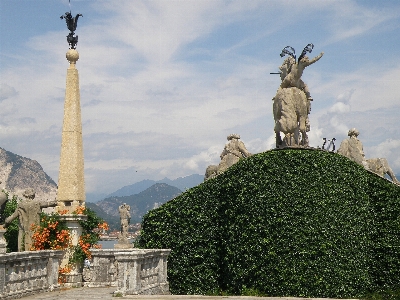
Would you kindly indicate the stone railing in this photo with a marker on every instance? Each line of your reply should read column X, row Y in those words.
column 132, row 271
column 29, row 272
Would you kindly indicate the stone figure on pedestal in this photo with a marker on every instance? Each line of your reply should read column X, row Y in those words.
column 125, row 217
column 3, row 201
column 233, row 151
column 3, row 243
column 353, row 149
column 292, row 101
column 27, row 213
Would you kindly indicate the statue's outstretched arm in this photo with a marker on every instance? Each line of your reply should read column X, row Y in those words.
column 315, row 59
column 11, row 218
column 243, row 150
column 48, row 203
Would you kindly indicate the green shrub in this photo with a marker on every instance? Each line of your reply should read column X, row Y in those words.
column 11, row 234
column 282, row 223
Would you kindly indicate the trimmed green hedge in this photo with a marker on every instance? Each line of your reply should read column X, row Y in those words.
column 288, row 222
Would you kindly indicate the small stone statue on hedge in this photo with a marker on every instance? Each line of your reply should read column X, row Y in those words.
column 353, row 149
column 233, row 151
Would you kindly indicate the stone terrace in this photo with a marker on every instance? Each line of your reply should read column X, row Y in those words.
column 107, row 294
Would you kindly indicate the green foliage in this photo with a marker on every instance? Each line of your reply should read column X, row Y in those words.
column 90, row 236
column 92, row 222
column 11, row 234
column 282, row 223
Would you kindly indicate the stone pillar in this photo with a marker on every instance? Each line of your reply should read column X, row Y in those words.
column 3, row 243
column 74, row 278
column 71, row 182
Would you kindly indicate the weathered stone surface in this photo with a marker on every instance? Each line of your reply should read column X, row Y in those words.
column 27, row 213
column 353, row 149
column 135, row 271
column 291, row 108
column 71, row 182
column 292, row 101
column 233, row 151
column 3, row 242
column 125, row 216
column 30, row 272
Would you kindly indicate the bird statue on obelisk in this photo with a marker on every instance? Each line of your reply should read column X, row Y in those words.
column 71, row 182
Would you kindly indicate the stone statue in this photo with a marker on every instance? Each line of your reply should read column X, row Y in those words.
column 292, row 101
column 353, row 149
column 233, row 151
column 3, row 201
column 125, row 218
column 295, row 70
column 28, row 212
column 72, row 23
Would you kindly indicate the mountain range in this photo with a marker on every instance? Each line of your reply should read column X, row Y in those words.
column 140, row 203
column 19, row 173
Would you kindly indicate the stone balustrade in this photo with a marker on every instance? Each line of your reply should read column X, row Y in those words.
column 29, row 272
column 132, row 271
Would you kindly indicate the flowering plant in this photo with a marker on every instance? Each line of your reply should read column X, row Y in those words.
column 91, row 229
column 51, row 233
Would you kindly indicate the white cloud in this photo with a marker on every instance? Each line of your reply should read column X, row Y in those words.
column 164, row 82
column 388, row 149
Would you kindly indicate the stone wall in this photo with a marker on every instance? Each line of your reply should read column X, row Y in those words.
column 131, row 271
column 29, row 272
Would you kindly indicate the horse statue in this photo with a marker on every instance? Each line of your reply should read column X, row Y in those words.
column 291, row 108
column 292, row 102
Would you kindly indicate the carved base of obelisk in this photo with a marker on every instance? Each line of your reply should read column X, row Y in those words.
column 74, row 277
column 3, row 242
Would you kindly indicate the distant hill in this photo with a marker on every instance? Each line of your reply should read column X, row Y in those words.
column 19, row 173
column 181, row 183
column 140, row 203
column 112, row 221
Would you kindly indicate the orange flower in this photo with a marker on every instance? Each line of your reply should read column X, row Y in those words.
column 62, row 272
column 103, row 226
column 80, row 210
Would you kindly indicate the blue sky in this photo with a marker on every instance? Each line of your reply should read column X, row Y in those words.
column 164, row 82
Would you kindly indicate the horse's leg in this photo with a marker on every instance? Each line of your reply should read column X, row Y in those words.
column 302, row 129
column 388, row 170
column 278, row 139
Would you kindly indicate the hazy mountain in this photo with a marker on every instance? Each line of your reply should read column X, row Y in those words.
column 19, row 173
column 112, row 221
column 140, row 203
column 181, row 183
column 132, row 189
column 184, row 183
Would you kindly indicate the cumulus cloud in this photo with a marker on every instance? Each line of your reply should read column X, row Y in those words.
column 388, row 149
column 163, row 83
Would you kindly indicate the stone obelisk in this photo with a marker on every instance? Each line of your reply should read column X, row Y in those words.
column 71, row 181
